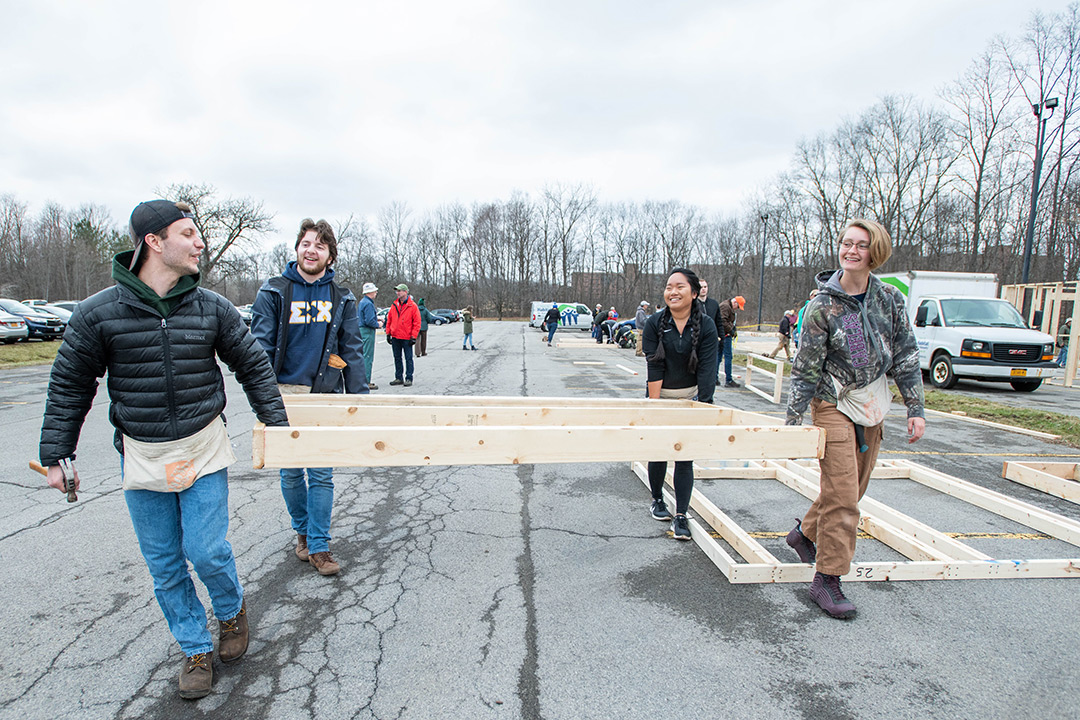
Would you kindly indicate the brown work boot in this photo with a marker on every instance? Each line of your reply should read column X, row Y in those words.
column 197, row 676
column 233, row 636
column 324, row 563
column 301, row 548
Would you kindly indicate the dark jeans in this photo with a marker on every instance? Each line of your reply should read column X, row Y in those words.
column 552, row 327
column 402, row 348
column 726, row 350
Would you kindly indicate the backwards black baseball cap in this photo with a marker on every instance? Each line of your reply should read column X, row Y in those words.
column 151, row 217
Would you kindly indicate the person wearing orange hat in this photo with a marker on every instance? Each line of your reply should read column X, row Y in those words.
column 728, row 332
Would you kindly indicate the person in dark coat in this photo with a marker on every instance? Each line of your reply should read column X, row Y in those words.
column 425, row 318
column 309, row 327
column 681, row 351
column 158, row 336
column 712, row 311
column 551, row 321
column 728, row 333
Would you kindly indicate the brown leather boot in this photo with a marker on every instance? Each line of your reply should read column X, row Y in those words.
column 324, row 563
column 301, row 548
column 233, row 636
column 197, row 676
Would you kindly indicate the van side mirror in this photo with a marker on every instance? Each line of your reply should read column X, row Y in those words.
column 1036, row 319
column 920, row 316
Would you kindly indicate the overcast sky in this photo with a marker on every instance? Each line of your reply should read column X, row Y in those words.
column 328, row 108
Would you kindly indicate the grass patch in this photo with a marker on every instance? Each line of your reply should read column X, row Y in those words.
column 1067, row 426
column 28, row 353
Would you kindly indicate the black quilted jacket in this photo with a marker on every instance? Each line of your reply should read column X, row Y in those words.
column 163, row 376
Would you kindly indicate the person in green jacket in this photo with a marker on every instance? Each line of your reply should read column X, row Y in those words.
column 467, row 343
column 425, row 318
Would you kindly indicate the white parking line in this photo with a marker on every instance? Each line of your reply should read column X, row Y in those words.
column 623, row 367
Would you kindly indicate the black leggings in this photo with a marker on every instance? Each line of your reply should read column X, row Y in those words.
column 684, row 482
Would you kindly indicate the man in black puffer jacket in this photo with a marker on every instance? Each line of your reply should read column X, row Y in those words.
column 158, row 335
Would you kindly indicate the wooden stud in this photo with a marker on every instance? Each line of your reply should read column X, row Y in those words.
column 307, row 446
column 999, row 426
column 1057, row 479
column 1024, row 513
column 462, row 416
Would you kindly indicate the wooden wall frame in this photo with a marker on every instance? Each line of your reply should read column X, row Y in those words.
column 1051, row 299
column 398, row 430
column 777, row 374
column 1058, row 479
column 933, row 554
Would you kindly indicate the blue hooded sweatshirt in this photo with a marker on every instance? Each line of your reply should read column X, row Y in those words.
column 310, row 314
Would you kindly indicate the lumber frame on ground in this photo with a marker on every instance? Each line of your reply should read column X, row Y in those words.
column 933, row 554
column 384, row 430
column 1058, row 479
column 777, row 374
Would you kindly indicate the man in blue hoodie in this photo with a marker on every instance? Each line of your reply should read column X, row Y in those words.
column 308, row 326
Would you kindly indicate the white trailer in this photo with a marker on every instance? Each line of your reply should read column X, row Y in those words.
column 965, row 331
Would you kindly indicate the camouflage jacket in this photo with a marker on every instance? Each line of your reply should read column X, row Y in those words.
column 855, row 342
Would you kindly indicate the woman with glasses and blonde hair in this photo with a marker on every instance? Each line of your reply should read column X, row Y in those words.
column 855, row 333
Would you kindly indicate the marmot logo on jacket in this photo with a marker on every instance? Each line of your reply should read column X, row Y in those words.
column 313, row 311
column 856, row 340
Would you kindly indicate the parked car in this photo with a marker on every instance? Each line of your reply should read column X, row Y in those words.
column 62, row 313
column 450, row 315
column 40, row 324
column 245, row 313
column 12, row 328
column 437, row 319
column 68, row 305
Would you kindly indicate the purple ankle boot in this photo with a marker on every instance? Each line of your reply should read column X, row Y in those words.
column 826, row 592
column 798, row 542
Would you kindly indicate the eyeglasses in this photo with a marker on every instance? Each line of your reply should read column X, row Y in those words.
column 847, row 245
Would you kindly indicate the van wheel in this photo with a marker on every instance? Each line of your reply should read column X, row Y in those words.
column 1025, row 385
column 941, row 372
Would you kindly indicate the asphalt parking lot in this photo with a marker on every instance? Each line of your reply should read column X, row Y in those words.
column 534, row 591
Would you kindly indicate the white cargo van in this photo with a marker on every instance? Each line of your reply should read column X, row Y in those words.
column 571, row 315
column 965, row 331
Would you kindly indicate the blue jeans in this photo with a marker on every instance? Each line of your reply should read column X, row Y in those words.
column 552, row 327
column 309, row 503
column 402, row 347
column 726, row 350
column 367, row 348
column 1063, row 355
column 467, row 342
column 173, row 528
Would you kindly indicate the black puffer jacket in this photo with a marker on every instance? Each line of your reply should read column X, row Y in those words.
column 164, row 380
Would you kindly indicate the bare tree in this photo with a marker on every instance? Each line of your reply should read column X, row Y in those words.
column 223, row 223
column 564, row 207
column 984, row 124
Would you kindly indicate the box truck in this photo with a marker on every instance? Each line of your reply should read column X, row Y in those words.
column 965, row 331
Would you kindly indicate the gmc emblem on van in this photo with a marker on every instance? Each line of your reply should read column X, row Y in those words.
column 1014, row 351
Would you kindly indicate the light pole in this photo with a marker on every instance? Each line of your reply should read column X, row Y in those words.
column 1040, row 137
column 761, row 287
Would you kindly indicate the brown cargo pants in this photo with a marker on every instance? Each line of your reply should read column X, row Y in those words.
column 833, row 519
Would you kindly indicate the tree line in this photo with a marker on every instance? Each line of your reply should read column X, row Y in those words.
column 950, row 178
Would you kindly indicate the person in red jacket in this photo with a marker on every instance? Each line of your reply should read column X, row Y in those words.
column 402, row 327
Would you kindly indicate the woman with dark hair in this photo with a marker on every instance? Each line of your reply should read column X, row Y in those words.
column 680, row 344
column 856, row 332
